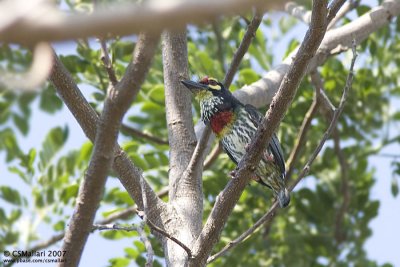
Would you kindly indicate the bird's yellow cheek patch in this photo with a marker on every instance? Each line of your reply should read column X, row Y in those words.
column 215, row 87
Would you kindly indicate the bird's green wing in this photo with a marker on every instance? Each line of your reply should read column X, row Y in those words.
column 274, row 145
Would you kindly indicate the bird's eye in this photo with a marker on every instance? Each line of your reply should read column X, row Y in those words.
column 213, row 84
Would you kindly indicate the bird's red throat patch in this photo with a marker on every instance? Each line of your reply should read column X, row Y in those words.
column 221, row 120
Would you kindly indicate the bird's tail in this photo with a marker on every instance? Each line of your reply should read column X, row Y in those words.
column 283, row 197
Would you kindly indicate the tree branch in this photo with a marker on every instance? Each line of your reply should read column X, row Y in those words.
column 186, row 193
column 227, row 199
column 105, row 58
column 301, row 138
column 267, row 217
column 213, row 156
column 220, row 40
column 55, row 25
column 346, row 8
column 164, row 233
column 117, row 103
column 243, row 47
column 127, row 130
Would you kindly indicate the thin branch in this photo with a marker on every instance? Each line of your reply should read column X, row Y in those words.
column 105, row 58
column 117, row 103
column 243, row 47
column 227, row 199
column 332, row 125
column 301, row 137
column 220, row 41
column 325, row 105
column 147, row 244
column 127, row 130
column 197, row 156
column 267, row 217
column 164, row 233
column 345, row 189
column 334, row 8
column 346, row 8
column 44, row 23
column 138, row 229
column 213, row 156
column 385, row 155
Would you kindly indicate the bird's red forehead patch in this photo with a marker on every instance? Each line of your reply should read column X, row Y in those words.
column 204, row 80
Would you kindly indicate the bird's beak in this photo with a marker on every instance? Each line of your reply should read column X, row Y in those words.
column 194, row 87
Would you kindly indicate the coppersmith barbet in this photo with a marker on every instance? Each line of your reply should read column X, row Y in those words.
column 235, row 124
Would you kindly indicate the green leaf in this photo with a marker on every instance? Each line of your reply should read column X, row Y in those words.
column 49, row 101
column 119, row 262
column 248, row 76
column 19, row 172
column 362, row 9
column 10, row 195
column 21, row 123
column 132, row 253
column 71, row 191
column 59, row 226
column 53, row 142
column 138, row 161
column 140, row 246
column 157, row 94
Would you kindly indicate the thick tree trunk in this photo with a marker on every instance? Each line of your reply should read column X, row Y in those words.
column 185, row 186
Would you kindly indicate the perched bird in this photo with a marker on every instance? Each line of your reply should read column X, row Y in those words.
column 235, row 124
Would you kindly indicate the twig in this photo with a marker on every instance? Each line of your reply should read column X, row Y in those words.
column 105, row 58
column 345, row 188
column 265, row 218
column 220, row 41
column 162, row 232
column 334, row 120
column 243, row 47
column 213, row 156
column 197, row 154
column 325, row 105
column 301, row 138
column 270, row 214
column 347, row 7
column 385, row 155
column 139, row 229
column 147, row 244
column 334, row 8
column 127, row 130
